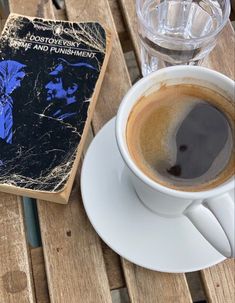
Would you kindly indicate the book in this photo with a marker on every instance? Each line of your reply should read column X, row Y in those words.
column 50, row 76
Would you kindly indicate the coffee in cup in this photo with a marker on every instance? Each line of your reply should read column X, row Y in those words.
column 166, row 120
column 182, row 136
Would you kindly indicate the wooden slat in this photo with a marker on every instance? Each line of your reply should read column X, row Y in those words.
column 115, row 85
column 116, row 81
column 73, row 255
column 219, row 282
column 111, row 259
column 222, row 58
column 39, row 8
column 146, row 286
column 16, row 283
column 39, row 276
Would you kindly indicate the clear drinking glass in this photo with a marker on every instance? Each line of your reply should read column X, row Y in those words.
column 174, row 32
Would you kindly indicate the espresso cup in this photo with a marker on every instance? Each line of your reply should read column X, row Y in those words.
column 211, row 211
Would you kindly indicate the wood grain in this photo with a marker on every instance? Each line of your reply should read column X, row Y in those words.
column 39, row 275
column 34, row 8
column 60, row 14
column 222, row 58
column 146, row 286
column 16, row 283
column 219, row 282
column 73, row 256
column 116, row 82
column 115, row 85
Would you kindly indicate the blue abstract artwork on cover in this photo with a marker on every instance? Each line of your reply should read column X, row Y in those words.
column 48, row 73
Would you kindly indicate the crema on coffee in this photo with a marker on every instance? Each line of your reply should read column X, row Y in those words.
column 182, row 136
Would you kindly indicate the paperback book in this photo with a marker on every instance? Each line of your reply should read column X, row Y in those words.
column 50, row 76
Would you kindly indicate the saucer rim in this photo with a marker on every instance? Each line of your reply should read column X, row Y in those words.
column 129, row 259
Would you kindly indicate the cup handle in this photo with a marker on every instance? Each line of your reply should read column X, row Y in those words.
column 214, row 218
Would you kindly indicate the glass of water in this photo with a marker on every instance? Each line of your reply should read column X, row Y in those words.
column 174, row 32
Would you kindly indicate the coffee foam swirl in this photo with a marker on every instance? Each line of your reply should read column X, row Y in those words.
column 152, row 131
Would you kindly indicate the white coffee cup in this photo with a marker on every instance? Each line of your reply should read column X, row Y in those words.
column 211, row 211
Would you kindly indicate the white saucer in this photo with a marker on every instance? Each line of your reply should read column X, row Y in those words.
column 127, row 226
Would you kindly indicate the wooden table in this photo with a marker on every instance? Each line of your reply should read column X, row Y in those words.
column 73, row 264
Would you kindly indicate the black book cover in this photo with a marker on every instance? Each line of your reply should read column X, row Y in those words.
column 48, row 75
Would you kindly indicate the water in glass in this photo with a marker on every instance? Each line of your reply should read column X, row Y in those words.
column 176, row 32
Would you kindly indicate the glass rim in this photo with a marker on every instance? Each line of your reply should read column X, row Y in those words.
column 186, row 41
